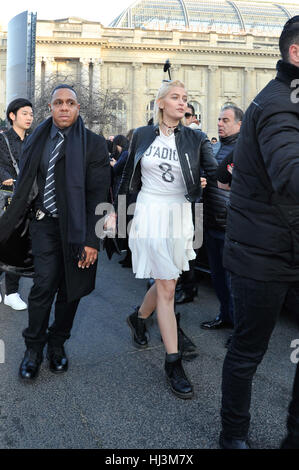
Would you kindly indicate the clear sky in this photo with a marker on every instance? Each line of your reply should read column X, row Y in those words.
column 103, row 11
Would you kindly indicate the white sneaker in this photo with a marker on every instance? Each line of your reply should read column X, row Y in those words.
column 14, row 301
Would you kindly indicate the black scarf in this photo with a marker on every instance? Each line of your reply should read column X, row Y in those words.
column 230, row 139
column 75, row 166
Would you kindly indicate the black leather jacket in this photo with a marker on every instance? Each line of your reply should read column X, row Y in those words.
column 194, row 151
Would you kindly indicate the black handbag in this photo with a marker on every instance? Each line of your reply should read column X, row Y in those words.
column 6, row 193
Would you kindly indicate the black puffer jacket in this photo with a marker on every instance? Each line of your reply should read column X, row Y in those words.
column 262, row 237
column 216, row 199
column 194, row 151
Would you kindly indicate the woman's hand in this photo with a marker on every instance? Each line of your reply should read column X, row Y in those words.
column 110, row 223
column 203, row 182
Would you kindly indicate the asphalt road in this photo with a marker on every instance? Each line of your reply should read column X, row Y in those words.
column 116, row 397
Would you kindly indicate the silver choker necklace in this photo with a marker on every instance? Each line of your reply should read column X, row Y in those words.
column 169, row 129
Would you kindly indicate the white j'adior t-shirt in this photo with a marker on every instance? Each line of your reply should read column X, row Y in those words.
column 160, row 167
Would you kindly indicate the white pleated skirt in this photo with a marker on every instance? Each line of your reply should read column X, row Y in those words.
column 161, row 236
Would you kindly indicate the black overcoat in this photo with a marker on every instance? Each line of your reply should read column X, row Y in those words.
column 80, row 282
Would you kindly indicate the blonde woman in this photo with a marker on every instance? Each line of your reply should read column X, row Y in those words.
column 164, row 165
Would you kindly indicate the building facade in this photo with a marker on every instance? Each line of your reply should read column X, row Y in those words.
column 223, row 55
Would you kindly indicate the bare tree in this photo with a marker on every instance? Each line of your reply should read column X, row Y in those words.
column 99, row 109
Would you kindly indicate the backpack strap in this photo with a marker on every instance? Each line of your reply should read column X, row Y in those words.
column 14, row 162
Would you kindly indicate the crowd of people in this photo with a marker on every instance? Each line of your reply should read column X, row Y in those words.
column 247, row 184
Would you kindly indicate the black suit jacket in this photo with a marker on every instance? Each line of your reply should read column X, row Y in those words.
column 80, row 282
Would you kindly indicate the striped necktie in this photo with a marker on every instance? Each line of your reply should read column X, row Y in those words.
column 49, row 192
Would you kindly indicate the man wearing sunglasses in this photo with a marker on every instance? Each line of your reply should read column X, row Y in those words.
column 191, row 118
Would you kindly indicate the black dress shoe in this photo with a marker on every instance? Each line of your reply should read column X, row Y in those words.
column 183, row 296
column 30, row 365
column 233, row 443
column 290, row 442
column 138, row 328
column 176, row 377
column 58, row 361
column 215, row 324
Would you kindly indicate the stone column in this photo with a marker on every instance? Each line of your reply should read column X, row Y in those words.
column 96, row 77
column 175, row 72
column 249, row 86
column 84, row 75
column 213, row 97
column 40, row 69
column 137, row 112
column 50, row 66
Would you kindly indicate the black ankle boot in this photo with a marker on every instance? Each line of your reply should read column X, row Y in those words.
column 184, row 343
column 138, row 329
column 176, row 377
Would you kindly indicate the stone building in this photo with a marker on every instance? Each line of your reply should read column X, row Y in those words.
column 224, row 51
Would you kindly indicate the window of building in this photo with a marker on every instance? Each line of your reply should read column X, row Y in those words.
column 150, row 110
column 197, row 108
column 119, row 111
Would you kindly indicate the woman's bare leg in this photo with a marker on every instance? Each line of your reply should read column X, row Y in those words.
column 149, row 302
column 165, row 313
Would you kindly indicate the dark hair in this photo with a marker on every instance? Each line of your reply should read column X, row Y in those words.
column 192, row 108
column 63, row 85
column 239, row 114
column 214, row 138
column 122, row 141
column 130, row 134
column 15, row 105
column 109, row 145
column 289, row 36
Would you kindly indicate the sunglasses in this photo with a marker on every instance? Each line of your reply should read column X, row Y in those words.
column 188, row 115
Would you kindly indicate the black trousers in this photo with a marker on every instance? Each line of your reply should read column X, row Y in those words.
column 11, row 283
column 257, row 306
column 49, row 280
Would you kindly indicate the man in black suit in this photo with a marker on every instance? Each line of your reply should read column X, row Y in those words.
column 65, row 174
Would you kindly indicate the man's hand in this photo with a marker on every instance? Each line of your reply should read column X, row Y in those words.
column 203, row 182
column 8, row 182
column 90, row 258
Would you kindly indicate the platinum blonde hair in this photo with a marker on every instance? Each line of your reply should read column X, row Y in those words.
column 162, row 93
